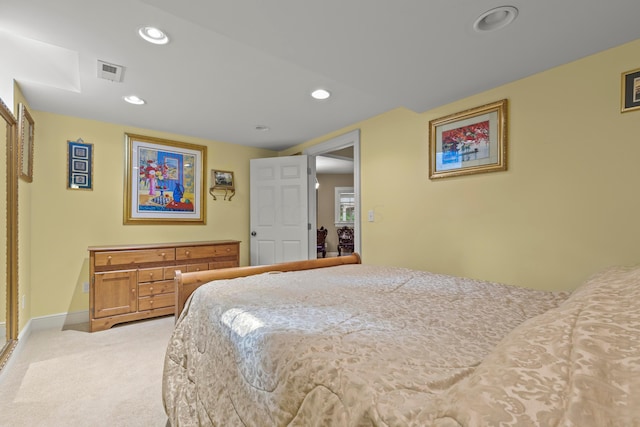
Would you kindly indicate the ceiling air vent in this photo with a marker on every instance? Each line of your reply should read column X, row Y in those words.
column 109, row 71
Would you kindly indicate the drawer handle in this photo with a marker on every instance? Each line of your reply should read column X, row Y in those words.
column 150, row 302
column 163, row 254
column 150, row 275
column 186, row 253
column 133, row 291
column 151, row 289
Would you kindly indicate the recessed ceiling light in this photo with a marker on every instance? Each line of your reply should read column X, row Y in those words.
column 320, row 94
column 153, row 35
column 262, row 128
column 495, row 19
column 133, row 99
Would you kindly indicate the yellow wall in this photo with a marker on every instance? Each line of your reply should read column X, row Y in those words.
column 65, row 222
column 567, row 207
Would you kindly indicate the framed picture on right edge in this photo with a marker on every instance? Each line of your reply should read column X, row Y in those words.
column 630, row 90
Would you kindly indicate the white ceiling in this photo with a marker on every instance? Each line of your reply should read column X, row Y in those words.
column 334, row 165
column 233, row 65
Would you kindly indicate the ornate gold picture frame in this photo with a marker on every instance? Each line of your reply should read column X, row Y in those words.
column 469, row 142
column 26, row 131
column 164, row 181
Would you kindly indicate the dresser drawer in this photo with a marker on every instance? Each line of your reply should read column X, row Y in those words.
column 226, row 250
column 156, row 301
column 197, row 267
column 155, row 288
column 170, row 272
column 198, row 252
column 103, row 259
column 194, row 252
column 150, row 274
column 223, row 264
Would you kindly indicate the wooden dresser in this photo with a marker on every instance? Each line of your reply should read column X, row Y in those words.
column 133, row 282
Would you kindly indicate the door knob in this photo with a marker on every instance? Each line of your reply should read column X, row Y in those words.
column 253, row 233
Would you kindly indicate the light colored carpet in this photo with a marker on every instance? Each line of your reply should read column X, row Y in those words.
column 76, row 378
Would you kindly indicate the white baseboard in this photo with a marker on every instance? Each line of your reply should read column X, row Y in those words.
column 53, row 321
column 58, row 321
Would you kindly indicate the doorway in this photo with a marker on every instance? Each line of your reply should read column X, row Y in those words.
column 336, row 148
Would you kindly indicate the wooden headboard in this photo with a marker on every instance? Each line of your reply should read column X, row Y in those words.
column 186, row 283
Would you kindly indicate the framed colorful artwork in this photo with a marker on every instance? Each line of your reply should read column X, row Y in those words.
column 79, row 165
column 164, row 181
column 469, row 142
column 26, row 130
column 631, row 90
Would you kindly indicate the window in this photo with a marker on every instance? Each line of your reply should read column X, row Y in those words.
column 345, row 205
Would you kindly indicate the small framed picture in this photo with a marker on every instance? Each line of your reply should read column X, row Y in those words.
column 79, row 165
column 630, row 90
column 469, row 142
column 223, row 181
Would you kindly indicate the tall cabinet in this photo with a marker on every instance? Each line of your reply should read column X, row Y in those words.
column 134, row 282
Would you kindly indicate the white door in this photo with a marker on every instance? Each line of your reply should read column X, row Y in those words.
column 279, row 210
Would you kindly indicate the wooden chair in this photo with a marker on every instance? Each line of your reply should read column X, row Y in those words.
column 345, row 239
column 321, row 244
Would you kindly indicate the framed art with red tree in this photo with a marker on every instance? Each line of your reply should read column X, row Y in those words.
column 469, row 142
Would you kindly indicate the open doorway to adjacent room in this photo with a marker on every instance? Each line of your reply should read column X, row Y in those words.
column 334, row 202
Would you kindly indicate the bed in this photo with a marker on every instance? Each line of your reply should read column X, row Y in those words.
column 359, row 345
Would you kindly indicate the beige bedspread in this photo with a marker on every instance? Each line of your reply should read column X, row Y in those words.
column 353, row 345
column 575, row 366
